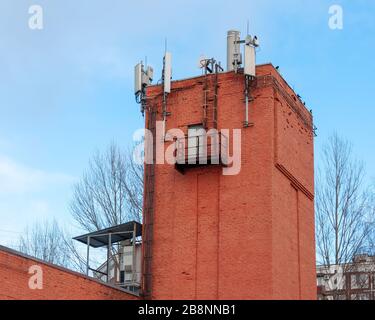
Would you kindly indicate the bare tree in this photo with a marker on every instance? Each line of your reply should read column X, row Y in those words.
column 134, row 185
column 344, row 211
column 76, row 260
column 110, row 192
column 47, row 241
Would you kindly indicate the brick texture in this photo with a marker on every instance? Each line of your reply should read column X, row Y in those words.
column 58, row 283
column 248, row 236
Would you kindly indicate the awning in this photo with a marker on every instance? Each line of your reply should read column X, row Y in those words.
column 118, row 233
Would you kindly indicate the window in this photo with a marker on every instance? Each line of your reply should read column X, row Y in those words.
column 196, row 141
column 359, row 281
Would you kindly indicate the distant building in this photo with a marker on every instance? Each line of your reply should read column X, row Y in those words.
column 352, row 281
column 121, row 266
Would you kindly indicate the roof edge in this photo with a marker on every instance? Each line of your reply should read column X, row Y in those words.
column 202, row 75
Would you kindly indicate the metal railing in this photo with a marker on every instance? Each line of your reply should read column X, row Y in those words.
column 202, row 149
column 116, row 267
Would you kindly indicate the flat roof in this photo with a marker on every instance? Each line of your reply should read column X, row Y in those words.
column 118, row 233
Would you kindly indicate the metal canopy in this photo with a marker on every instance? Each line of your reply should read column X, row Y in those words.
column 118, row 233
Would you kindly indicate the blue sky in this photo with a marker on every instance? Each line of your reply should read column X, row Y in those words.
column 67, row 90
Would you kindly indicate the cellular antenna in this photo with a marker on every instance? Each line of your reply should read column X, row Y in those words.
column 167, row 71
column 251, row 43
column 167, row 76
column 234, row 61
column 143, row 76
column 234, row 57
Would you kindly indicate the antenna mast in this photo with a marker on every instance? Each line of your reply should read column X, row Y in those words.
column 234, row 61
column 166, row 78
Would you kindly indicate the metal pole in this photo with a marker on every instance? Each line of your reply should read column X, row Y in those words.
column 88, row 256
column 108, row 255
column 246, row 123
column 133, row 264
column 247, row 110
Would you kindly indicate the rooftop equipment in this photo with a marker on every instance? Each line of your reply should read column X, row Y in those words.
column 234, row 57
column 249, row 53
column 167, row 76
column 167, row 72
column 234, row 62
column 143, row 77
column 251, row 43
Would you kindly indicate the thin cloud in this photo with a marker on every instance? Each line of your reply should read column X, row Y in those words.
column 16, row 178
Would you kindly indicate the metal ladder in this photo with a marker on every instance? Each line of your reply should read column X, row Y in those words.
column 210, row 93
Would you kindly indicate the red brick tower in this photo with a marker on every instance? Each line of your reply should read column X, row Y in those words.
column 244, row 236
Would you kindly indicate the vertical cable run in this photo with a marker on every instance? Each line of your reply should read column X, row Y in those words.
column 148, row 215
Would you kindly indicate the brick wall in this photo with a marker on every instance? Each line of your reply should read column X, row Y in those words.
column 249, row 236
column 58, row 283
